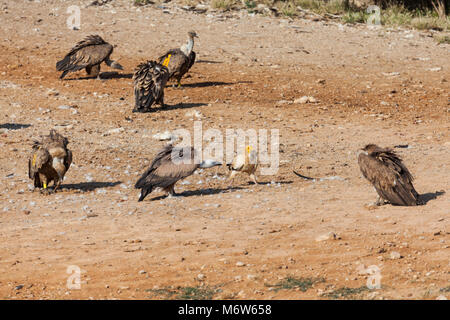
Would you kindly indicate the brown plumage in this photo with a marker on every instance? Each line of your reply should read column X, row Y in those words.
column 182, row 59
column 247, row 162
column 169, row 166
column 49, row 161
column 150, row 78
column 88, row 54
column 389, row 176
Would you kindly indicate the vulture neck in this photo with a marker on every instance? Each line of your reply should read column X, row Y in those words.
column 187, row 48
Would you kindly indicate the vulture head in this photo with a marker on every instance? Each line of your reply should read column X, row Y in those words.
column 192, row 34
column 368, row 149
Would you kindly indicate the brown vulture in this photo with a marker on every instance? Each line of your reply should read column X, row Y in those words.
column 150, row 78
column 170, row 165
column 389, row 176
column 247, row 162
column 181, row 60
column 88, row 54
column 49, row 161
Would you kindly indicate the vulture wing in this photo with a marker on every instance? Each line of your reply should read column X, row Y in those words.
column 39, row 158
column 89, row 52
column 68, row 159
column 390, row 178
column 191, row 60
column 178, row 62
column 168, row 167
column 150, row 79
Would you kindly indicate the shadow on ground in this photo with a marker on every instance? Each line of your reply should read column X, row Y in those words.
column 14, row 126
column 89, row 186
column 201, row 192
column 424, row 198
column 104, row 76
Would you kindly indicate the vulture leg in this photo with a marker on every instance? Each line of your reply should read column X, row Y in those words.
column 253, row 178
column 160, row 101
column 45, row 181
column 380, row 202
column 63, row 74
column 170, row 189
column 178, row 85
column 93, row 71
column 231, row 177
column 57, row 184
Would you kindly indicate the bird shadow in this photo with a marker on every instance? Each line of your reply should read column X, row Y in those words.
column 208, row 61
column 104, row 76
column 14, row 126
column 115, row 75
column 274, row 182
column 89, row 186
column 200, row 192
column 212, row 84
column 424, row 198
column 181, row 106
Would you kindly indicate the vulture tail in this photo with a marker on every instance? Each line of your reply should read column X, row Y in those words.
column 144, row 193
column 63, row 64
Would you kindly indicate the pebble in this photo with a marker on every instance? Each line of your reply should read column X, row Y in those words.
column 328, row 236
column 201, row 276
column 395, row 255
column 240, row 264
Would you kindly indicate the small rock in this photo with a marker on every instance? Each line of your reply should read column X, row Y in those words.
column 395, row 255
column 240, row 264
column 201, row 276
column 328, row 236
column 164, row 136
column 52, row 93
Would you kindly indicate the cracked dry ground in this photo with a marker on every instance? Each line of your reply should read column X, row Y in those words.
column 377, row 86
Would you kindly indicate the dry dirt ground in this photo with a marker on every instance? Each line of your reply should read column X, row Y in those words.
column 389, row 87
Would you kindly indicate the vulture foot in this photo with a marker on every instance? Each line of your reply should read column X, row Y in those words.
column 46, row 191
column 142, row 110
column 380, row 202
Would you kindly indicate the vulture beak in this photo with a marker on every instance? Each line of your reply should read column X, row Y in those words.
column 362, row 151
column 209, row 164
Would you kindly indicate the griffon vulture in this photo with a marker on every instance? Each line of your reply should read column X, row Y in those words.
column 389, row 176
column 150, row 78
column 181, row 60
column 50, row 160
column 247, row 162
column 170, row 165
column 88, row 54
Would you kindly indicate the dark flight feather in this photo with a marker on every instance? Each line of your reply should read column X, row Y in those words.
column 87, row 54
column 150, row 78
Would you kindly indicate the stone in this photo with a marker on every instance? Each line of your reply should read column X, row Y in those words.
column 395, row 255
column 328, row 236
